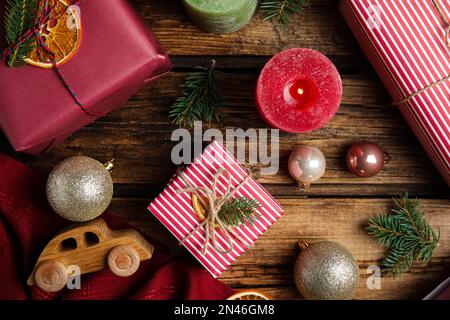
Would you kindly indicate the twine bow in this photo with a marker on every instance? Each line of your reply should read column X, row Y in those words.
column 446, row 21
column 213, row 206
column 43, row 16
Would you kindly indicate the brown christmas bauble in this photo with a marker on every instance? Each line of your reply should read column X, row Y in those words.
column 79, row 188
column 326, row 270
column 366, row 159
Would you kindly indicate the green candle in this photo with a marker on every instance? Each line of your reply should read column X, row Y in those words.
column 221, row 16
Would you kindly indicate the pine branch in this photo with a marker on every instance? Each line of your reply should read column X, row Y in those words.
column 282, row 10
column 200, row 99
column 239, row 211
column 407, row 235
column 20, row 16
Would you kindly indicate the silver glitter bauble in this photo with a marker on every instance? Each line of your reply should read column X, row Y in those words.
column 79, row 188
column 306, row 164
column 326, row 271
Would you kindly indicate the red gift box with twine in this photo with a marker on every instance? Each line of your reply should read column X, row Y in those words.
column 117, row 55
column 216, row 175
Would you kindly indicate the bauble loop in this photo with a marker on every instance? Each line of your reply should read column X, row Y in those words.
column 326, row 271
column 79, row 189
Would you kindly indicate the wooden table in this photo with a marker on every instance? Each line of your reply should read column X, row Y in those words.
column 337, row 208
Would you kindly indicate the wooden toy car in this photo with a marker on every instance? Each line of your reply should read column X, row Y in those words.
column 91, row 246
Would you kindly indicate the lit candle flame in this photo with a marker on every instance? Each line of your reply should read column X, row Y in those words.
column 300, row 91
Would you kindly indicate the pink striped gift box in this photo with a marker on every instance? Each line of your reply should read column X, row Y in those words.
column 405, row 40
column 176, row 212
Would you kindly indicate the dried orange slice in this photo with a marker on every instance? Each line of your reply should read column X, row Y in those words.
column 249, row 295
column 62, row 35
column 199, row 209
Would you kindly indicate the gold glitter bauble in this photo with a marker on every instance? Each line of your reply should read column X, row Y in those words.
column 79, row 188
column 326, row 271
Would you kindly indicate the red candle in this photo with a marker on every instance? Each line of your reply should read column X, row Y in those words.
column 299, row 90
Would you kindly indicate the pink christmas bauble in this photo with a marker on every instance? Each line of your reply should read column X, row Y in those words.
column 366, row 159
column 306, row 164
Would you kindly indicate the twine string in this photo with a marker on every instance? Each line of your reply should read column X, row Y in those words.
column 43, row 16
column 213, row 205
column 415, row 93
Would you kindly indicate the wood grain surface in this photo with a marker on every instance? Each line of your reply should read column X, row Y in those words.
column 138, row 136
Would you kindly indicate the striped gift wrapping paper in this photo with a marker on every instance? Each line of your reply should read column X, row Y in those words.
column 405, row 42
column 175, row 211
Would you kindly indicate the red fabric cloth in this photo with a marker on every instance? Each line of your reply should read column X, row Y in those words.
column 27, row 223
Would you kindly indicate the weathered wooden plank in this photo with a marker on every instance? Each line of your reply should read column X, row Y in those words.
column 242, row 64
column 268, row 265
column 320, row 27
column 138, row 136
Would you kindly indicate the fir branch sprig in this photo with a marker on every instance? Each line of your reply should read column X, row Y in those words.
column 20, row 16
column 201, row 98
column 406, row 234
column 239, row 211
column 282, row 10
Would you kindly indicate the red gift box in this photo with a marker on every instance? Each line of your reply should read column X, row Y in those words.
column 117, row 56
column 406, row 43
column 176, row 212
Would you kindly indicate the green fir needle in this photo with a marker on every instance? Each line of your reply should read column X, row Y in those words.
column 282, row 10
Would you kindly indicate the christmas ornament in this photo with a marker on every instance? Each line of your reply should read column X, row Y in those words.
column 200, row 99
column 299, row 90
column 221, row 16
column 366, row 159
column 80, row 188
column 306, row 164
column 326, row 271
column 282, row 10
column 406, row 234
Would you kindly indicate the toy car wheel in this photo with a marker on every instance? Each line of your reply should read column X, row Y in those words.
column 51, row 276
column 123, row 260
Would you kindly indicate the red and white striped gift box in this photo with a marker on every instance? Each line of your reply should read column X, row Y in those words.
column 405, row 42
column 175, row 211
